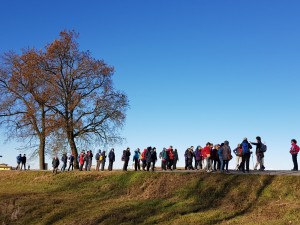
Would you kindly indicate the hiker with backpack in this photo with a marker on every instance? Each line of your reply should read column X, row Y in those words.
column 225, row 151
column 64, row 160
column 163, row 155
column 143, row 159
column 81, row 160
column 186, row 158
column 102, row 160
column 136, row 159
column 171, row 158
column 260, row 150
column 19, row 160
column 238, row 151
column 111, row 159
column 153, row 158
column 97, row 157
column 71, row 161
column 126, row 155
column 294, row 152
column 55, row 164
column 197, row 153
column 23, row 161
column 206, row 155
column 246, row 153
column 176, row 158
column 168, row 158
column 215, row 158
column 148, row 158
column 190, row 155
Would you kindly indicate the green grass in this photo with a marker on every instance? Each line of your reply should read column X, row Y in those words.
column 33, row 197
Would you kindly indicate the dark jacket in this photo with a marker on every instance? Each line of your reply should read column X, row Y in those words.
column 55, row 162
column 111, row 156
column 148, row 156
column 258, row 151
column 64, row 158
column 126, row 155
column 153, row 156
column 103, row 156
column 214, row 154
column 246, row 143
column 175, row 153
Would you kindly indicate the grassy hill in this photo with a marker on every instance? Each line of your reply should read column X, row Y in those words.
column 147, row 198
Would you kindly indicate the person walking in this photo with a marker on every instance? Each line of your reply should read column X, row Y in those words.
column 71, row 161
column 215, row 158
column 246, row 153
column 143, row 159
column 190, row 155
column 88, row 160
column 23, row 161
column 197, row 153
column 164, row 159
column 126, row 158
column 176, row 159
column 259, row 152
column 103, row 160
column 111, row 159
column 81, row 160
column 206, row 155
column 294, row 152
column 148, row 158
column 64, row 160
column 153, row 158
column 19, row 160
column 226, row 156
column 238, row 153
column 55, row 164
column 171, row 157
column 186, row 158
column 136, row 159
column 97, row 157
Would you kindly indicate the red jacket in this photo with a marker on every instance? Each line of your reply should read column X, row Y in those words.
column 143, row 155
column 294, row 149
column 171, row 155
column 206, row 151
column 81, row 158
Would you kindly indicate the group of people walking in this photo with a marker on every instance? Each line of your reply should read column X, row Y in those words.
column 216, row 157
column 209, row 158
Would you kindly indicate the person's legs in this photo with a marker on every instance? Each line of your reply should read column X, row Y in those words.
column 294, row 157
column 247, row 161
column 153, row 165
column 262, row 163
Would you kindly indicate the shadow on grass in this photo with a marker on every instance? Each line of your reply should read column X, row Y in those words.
column 266, row 182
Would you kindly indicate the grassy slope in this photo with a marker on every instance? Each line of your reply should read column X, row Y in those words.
column 147, row 198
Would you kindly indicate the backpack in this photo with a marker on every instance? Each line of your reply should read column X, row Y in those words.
column 245, row 147
column 97, row 156
column 101, row 157
column 123, row 156
column 263, row 147
column 143, row 156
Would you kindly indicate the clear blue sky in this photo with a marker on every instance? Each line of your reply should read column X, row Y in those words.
column 194, row 71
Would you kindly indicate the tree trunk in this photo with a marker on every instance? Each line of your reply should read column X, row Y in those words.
column 42, row 152
column 73, row 147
